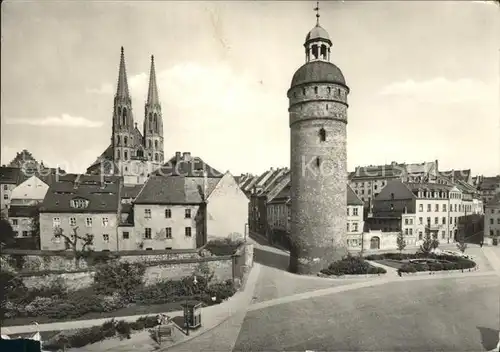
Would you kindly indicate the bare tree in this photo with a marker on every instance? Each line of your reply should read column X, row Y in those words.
column 72, row 242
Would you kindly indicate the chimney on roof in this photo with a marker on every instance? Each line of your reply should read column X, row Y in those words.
column 177, row 157
column 186, row 156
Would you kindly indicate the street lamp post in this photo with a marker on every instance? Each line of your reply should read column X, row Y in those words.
column 246, row 232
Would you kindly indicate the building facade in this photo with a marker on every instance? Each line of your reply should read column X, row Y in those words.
column 419, row 208
column 492, row 220
column 132, row 154
column 318, row 132
column 81, row 205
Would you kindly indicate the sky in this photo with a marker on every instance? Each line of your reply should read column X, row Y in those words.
column 424, row 78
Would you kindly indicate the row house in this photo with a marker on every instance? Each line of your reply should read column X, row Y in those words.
column 278, row 204
column 492, row 219
column 488, row 187
column 418, row 208
column 257, row 221
column 368, row 181
column 80, row 205
column 182, row 205
column 24, row 204
column 189, row 207
column 13, row 176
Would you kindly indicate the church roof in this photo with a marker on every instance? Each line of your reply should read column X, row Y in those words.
column 153, row 89
column 122, row 86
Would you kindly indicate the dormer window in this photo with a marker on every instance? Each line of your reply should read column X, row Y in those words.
column 79, row 203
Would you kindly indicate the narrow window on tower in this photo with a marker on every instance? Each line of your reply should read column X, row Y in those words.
column 318, row 162
column 125, row 140
column 323, row 52
column 156, row 122
column 118, row 140
column 149, row 144
column 322, row 135
column 125, row 155
column 156, row 144
column 124, row 116
column 315, row 90
column 329, row 90
column 315, row 51
column 156, row 157
column 303, row 91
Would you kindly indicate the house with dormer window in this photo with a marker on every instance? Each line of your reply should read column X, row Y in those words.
column 90, row 204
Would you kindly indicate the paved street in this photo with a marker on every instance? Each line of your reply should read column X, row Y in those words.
column 436, row 313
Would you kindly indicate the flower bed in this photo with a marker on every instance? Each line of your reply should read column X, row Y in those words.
column 351, row 265
column 428, row 262
column 98, row 333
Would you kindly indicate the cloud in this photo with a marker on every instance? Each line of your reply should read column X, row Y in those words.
column 64, row 121
column 103, row 89
column 442, row 90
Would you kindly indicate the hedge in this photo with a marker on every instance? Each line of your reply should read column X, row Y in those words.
column 95, row 334
column 224, row 246
column 351, row 265
column 437, row 266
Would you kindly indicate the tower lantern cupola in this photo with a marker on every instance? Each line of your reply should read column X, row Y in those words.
column 317, row 42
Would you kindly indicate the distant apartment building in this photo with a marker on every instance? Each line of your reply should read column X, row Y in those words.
column 355, row 222
column 492, row 219
column 488, row 187
column 419, row 208
column 81, row 205
column 368, row 181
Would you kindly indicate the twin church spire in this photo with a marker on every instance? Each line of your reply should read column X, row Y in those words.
column 127, row 141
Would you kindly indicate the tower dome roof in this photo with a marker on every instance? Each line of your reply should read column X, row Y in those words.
column 317, row 32
column 318, row 71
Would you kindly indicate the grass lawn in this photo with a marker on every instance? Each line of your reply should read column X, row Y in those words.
column 127, row 311
column 396, row 264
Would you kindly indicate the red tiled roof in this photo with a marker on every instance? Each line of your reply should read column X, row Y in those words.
column 102, row 192
column 455, row 175
column 352, row 198
column 175, row 190
column 131, row 191
column 10, row 175
column 187, row 166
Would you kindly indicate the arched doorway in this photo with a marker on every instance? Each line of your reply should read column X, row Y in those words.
column 375, row 243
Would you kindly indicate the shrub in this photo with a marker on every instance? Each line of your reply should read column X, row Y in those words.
column 223, row 246
column 123, row 328
column 38, row 307
column 120, row 277
column 221, row 291
column 350, row 265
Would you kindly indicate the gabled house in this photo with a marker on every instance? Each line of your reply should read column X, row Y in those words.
column 187, row 203
column 86, row 203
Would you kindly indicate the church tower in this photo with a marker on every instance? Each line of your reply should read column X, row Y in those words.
column 153, row 122
column 123, row 120
column 318, row 165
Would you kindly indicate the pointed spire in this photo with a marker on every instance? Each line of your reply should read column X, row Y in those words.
column 153, row 89
column 122, row 86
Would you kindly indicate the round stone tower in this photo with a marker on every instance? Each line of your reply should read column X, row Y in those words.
column 318, row 121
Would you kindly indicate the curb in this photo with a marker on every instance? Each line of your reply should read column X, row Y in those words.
column 166, row 348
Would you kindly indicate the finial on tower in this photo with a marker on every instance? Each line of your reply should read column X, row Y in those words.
column 317, row 12
column 152, row 58
column 122, row 50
